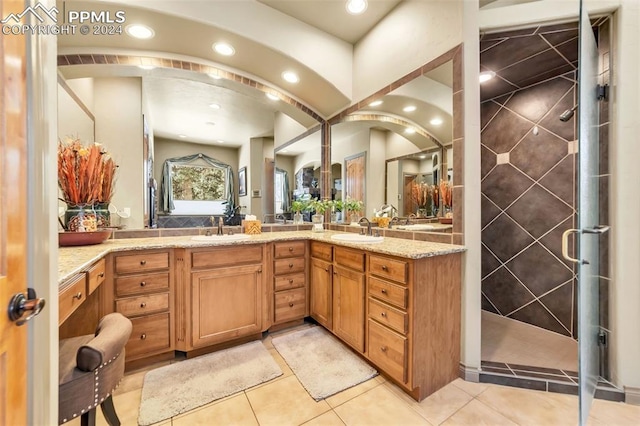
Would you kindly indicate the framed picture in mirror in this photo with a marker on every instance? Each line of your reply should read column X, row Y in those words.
column 242, row 181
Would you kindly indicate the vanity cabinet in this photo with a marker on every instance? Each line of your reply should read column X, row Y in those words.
column 289, row 281
column 221, row 295
column 142, row 286
column 349, row 296
column 320, row 284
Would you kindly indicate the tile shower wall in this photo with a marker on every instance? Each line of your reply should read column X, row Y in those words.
column 529, row 175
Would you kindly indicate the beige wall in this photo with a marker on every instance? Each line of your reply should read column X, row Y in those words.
column 118, row 111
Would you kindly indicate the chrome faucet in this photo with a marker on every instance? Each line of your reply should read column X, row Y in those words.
column 280, row 216
column 264, row 218
column 220, row 231
column 368, row 225
column 409, row 217
column 393, row 220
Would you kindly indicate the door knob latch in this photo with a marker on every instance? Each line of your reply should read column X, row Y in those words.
column 19, row 304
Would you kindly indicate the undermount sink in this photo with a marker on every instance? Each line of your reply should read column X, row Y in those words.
column 357, row 238
column 227, row 237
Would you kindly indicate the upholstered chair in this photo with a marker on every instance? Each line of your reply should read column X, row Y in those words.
column 90, row 369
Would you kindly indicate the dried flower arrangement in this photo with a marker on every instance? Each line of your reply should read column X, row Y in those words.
column 421, row 194
column 446, row 193
column 85, row 173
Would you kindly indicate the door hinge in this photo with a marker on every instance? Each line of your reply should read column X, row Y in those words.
column 603, row 92
column 602, row 339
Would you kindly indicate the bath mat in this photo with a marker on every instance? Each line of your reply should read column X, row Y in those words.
column 323, row 364
column 183, row 386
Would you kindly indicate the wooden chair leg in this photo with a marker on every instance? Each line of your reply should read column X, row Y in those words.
column 109, row 412
column 88, row 418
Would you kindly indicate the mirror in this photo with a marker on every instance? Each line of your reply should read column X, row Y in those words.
column 408, row 133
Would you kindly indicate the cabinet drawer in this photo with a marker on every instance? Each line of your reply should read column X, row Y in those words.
column 136, row 263
column 288, row 266
column 290, row 305
column 388, row 350
column 388, row 292
column 72, row 297
column 143, row 305
column 149, row 334
column 226, row 256
column 385, row 267
column 138, row 284
column 352, row 259
column 288, row 249
column 95, row 275
column 389, row 316
column 287, row 282
column 322, row 251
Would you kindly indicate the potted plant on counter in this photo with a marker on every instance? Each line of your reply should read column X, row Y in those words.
column 319, row 207
column 297, row 207
column 353, row 208
column 336, row 210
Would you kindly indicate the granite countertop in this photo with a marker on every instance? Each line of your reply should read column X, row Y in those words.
column 72, row 260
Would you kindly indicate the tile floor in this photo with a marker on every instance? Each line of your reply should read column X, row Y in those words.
column 283, row 401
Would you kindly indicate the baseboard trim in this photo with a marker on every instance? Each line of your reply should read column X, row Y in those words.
column 469, row 374
column 632, row 395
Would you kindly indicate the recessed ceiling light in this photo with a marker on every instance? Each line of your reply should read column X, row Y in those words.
column 290, row 76
column 436, row 121
column 224, row 49
column 375, row 103
column 356, row 7
column 284, row 150
column 272, row 97
column 182, row 136
column 214, row 106
column 410, row 130
column 409, row 108
column 422, row 157
column 214, row 76
column 210, row 123
column 146, row 67
column 486, row 76
column 220, row 141
column 139, row 31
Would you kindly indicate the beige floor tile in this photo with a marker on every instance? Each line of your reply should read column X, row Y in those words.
column 475, row 413
column 440, row 405
column 131, row 382
column 330, row 418
column 472, row 388
column 379, row 406
column 347, row 394
column 235, row 410
column 527, row 407
column 284, row 402
column 286, row 371
column 615, row 413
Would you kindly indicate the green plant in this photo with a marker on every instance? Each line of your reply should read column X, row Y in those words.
column 299, row 205
column 352, row 205
column 319, row 206
column 337, row 205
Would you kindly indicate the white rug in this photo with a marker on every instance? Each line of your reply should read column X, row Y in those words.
column 323, row 364
column 183, row 386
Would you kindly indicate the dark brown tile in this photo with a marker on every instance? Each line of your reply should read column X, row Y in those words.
column 560, row 180
column 569, row 389
column 458, row 209
column 458, row 162
column 505, row 238
column 74, row 59
column 489, row 211
column 535, row 314
column 553, row 242
column 603, row 148
column 505, row 292
column 524, row 78
column 560, row 303
column 487, row 306
column 458, row 115
column 558, row 37
column 495, row 87
column 542, row 376
column 610, row 395
column 569, row 49
column 497, row 371
column 484, row 45
column 558, row 27
column 62, row 60
column 603, row 202
column 604, row 254
column 536, row 101
column 86, row 59
column 530, row 368
column 537, row 154
column 511, row 51
column 504, row 184
column 505, row 131
column 552, row 123
column 507, row 34
column 488, row 261
column 488, row 110
column 488, row 161
column 604, row 301
column 537, row 211
column 513, row 382
column 434, row 237
column 494, row 364
column 528, row 264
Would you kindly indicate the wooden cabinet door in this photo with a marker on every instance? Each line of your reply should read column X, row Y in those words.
column 226, row 304
column 348, row 306
column 321, row 292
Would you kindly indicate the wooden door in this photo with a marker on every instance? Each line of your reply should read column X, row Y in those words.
column 13, row 226
column 226, row 304
column 408, row 204
column 321, row 292
column 354, row 180
column 348, row 306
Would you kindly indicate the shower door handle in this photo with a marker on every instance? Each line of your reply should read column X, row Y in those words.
column 565, row 245
column 598, row 229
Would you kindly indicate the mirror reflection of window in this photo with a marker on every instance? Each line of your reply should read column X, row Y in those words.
column 198, row 183
column 281, row 192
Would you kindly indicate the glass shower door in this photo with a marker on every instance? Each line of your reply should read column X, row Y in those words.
column 589, row 227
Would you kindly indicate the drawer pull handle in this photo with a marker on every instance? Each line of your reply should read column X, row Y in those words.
column 383, row 314
column 143, row 305
column 384, row 291
column 384, row 267
column 326, row 269
column 291, row 265
column 290, row 248
column 291, row 304
column 78, row 295
column 143, row 336
column 383, row 348
column 143, row 283
column 290, row 280
column 101, row 275
column 143, row 262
